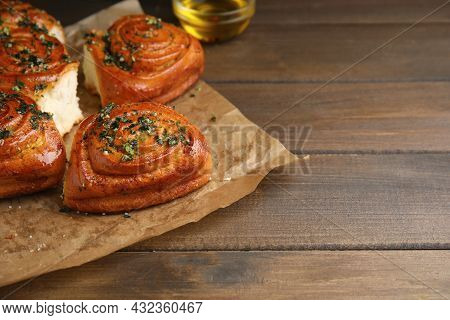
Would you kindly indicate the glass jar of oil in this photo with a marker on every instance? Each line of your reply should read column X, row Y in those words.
column 214, row 20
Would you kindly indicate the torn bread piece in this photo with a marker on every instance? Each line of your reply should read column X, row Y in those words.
column 60, row 99
column 38, row 65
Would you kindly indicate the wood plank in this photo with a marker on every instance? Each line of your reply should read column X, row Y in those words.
column 350, row 117
column 320, row 52
column 273, row 12
column 250, row 275
column 348, row 11
column 347, row 202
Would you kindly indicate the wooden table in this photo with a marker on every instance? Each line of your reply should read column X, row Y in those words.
column 370, row 220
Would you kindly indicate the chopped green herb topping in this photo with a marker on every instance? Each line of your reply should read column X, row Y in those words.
column 146, row 125
column 173, row 139
column 181, row 128
column 112, row 131
column 66, row 58
column 27, row 23
column 111, row 58
column 4, row 133
column 30, row 61
column 156, row 22
column 24, row 108
column 88, row 36
column 49, row 44
column 184, row 140
column 105, row 112
column 19, row 86
column 37, row 115
column 130, row 148
column 39, row 87
column 159, row 140
column 5, row 33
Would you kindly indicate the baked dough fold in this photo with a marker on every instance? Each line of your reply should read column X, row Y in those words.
column 133, row 156
column 141, row 58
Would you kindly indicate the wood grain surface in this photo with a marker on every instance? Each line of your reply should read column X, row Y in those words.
column 250, row 275
column 376, row 179
column 349, row 117
column 348, row 11
column 346, row 202
column 287, row 53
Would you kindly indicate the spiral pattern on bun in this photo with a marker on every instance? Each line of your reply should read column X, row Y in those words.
column 133, row 156
column 141, row 58
column 29, row 62
column 32, row 155
column 18, row 14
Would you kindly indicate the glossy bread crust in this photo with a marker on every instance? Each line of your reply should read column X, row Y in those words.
column 32, row 154
column 141, row 58
column 133, row 156
column 31, row 62
column 17, row 14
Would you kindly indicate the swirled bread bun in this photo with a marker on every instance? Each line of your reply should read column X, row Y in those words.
column 132, row 156
column 141, row 58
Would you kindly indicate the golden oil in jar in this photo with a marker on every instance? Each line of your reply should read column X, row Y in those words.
column 214, row 20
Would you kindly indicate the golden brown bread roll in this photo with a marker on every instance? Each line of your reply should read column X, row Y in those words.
column 38, row 65
column 133, row 156
column 18, row 14
column 141, row 59
column 32, row 155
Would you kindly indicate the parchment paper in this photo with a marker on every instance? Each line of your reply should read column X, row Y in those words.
column 36, row 238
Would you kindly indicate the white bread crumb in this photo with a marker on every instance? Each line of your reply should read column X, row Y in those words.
column 61, row 100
